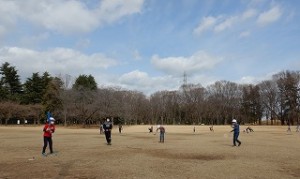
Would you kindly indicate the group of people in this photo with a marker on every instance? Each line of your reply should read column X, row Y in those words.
column 107, row 126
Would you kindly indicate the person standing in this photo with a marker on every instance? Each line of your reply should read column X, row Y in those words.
column 211, row 128
column 120, row 128
column 289, row 128
column 107, row 126
column 101, row 128
column 48, row 129
column 236, row 132
column 162, row 133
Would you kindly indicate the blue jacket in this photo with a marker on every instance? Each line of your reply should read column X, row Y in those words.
column 236, row 128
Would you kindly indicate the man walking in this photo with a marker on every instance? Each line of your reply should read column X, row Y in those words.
column 236, row 132
column 107, row 126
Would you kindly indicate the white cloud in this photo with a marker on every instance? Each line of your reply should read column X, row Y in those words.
column 269, row 16
column 141, row 81
column 247, row 80
column 256, row 79
column 227, row 23
column 221, row 23
column 244, row 34
column 8, row 13
column 66, row 16
column 249, row 14
column 205, row 24
column 112, row 10
column 178, row 65
column 55, row 61
column 134, row 77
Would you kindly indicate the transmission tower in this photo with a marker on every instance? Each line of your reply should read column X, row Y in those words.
column 184, row 78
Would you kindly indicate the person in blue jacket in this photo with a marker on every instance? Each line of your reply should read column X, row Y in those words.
column 236, row 132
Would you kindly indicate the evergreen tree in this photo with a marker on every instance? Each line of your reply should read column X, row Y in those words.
column 34, row 89
column 85, row 82
column 51, row 98
column 10, row 82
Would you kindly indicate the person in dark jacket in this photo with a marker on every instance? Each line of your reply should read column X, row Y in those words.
column 107, row 126
column 120, row 128
column 236, row 132
column 48, row 129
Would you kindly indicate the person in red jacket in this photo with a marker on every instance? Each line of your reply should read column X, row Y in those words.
column 49, row 128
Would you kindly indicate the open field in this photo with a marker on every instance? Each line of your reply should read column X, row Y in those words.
column 269, row 152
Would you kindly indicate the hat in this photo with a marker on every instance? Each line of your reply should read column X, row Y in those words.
column 233, row 121
column 51, row 119
column 107, row 119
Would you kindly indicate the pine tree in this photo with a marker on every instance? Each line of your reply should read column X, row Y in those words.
column 10, row 82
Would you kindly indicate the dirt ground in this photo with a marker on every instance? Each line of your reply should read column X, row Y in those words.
column 269, row 152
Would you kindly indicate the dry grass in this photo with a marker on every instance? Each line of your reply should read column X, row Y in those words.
column 269, row 152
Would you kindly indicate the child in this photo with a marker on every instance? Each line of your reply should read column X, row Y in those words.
column 49, row 128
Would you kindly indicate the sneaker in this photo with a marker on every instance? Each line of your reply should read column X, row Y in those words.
column 240, row 143
column 44, row 154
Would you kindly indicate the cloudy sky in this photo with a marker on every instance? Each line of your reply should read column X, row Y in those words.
column 147, row 45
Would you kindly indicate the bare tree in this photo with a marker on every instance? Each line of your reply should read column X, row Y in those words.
column 287, row 85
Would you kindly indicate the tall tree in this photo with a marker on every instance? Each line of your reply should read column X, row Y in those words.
column 288, row 86
column 34, row 89
column 269, row 98
column 10, row 81
column 251, row 104
column 51, row 99
column 86, row 82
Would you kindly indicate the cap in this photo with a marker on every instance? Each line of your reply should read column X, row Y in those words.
column 51, row 119
column 233, row 121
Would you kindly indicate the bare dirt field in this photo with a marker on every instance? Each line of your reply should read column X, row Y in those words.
column 268, row 153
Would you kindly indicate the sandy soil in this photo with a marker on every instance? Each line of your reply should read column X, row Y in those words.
column 267, row 153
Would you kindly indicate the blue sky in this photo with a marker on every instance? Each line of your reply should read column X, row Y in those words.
column 147, row 45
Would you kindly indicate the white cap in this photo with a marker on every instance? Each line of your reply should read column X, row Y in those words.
column 51, row 119
column 107, row 120
column 233, row 121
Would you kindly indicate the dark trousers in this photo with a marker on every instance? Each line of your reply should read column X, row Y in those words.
column 46, row 141
column 108, row 136
column 235, row 138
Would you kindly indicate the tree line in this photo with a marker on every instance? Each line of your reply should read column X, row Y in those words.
column 274, row 101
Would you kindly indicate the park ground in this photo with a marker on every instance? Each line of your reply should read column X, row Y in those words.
column 269, row 152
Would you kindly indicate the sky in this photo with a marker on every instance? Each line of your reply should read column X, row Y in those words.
column 148, row 45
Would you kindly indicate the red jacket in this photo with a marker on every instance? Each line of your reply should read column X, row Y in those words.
column 48, row 130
